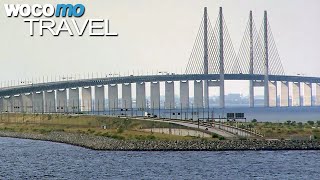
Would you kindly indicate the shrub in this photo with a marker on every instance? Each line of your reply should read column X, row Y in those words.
column 311, row 123
column 42, row 131
column 106, row 134
column 98, row 134
column 91, row 131
column 242, row 126
column 243, row 138
column 250, row 125
column 222, row 138
column 268, row 131
column 151, row 137
column 120, row 130
column 215, row 135
column 115, row 136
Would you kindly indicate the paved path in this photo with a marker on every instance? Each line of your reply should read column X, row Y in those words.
column 192, row 125
column 212, row 127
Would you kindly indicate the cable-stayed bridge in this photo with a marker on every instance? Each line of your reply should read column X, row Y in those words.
column 213, row 61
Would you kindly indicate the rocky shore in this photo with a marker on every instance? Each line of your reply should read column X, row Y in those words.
column 105, row 143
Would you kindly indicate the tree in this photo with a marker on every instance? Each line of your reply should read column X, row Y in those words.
column 311, row 123
column 250, row 125
column 254, row 120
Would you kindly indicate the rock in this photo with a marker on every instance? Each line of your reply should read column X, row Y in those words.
column 105, row 143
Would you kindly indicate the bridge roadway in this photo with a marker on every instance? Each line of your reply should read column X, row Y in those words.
column 9, row 91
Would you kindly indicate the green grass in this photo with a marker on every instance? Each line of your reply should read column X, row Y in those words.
column 116, row 128
column 285, row 130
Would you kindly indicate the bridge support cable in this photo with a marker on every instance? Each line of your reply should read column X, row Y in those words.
column 272, row 61
column 250, row 55
column 195, row 63
column 275, row 65
column 213, row 53
column 258, row 55
column 216, row 44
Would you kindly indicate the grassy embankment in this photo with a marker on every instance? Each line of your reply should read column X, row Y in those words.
column 117, row 128
column 285, row 130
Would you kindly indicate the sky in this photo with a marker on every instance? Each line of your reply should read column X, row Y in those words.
column 154, row 35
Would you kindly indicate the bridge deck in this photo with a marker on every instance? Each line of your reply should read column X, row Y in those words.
column 146, row 78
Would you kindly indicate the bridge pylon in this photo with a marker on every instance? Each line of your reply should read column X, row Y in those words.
column 221, row 59
column 251, row 86
column 205, row 57
column 266, row 60
column 220, row 40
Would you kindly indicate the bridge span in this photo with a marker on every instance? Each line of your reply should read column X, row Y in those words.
column 64, row 96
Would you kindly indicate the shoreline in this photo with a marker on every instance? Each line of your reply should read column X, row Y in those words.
column 107, row 144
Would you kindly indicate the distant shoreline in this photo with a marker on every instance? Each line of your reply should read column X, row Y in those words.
column 109, row 144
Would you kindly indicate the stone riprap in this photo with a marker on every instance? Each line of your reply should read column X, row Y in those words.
column 105, row 143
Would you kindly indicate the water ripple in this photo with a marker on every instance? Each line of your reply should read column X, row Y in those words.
column 29, row 159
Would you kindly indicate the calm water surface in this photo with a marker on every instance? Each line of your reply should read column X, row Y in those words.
column 28, row 159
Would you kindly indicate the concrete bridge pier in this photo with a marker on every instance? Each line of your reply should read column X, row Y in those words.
column 317, row 103
column 17, row 103
column 184, row 94
column 126, row 96
column 86, row 99
column 61, row 100
column 255, row 84
column 307, row 94
column 38, row 103
column 251, row 93
column 74, row 101
column 140, row 96
column 198, row 94
column 296, row 94
column 50, row 103
column 155, row 96
column 215, row 83
column 99, row 99
column 1, row 104
column 284, row 96
column 7, row 104
column 113, row 96
column 27, row 103
column 272, row 93
column 169, row 95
